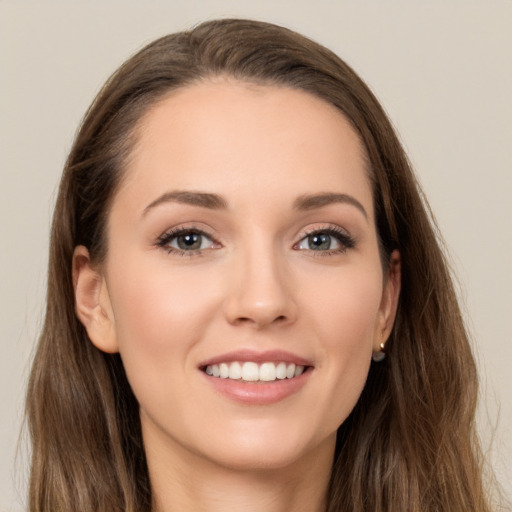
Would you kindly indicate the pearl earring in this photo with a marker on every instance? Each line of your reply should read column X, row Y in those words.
column 381, row 355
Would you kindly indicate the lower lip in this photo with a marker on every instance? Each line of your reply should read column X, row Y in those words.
column 258, row 393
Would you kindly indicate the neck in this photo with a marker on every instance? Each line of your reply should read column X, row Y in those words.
column 186, row 482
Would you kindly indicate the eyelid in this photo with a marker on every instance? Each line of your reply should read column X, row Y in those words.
column 318, row 228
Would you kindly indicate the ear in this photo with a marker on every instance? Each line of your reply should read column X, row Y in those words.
column 92, row 302
column 389, row 302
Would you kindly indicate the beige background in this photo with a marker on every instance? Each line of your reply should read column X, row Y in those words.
column 443, row 70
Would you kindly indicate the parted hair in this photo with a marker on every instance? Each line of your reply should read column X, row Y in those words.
column 409, row 445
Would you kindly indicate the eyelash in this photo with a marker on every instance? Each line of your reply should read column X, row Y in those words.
column 344, row 239
column 166, row 238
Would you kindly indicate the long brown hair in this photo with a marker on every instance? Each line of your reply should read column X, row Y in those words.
column 409, row 445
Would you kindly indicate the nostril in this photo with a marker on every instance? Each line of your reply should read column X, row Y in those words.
column 248, row 320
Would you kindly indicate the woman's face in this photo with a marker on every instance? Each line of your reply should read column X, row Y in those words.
column 242, row 242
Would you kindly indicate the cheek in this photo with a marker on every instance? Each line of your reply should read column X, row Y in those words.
column 345, row 308
column 160, row 316
column 157, row 302
column 344, row 317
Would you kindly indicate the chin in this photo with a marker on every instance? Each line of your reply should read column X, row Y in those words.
column 254, row 449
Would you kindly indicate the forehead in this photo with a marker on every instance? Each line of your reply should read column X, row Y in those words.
column 229, row 136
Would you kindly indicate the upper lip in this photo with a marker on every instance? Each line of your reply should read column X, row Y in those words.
column 265, row 356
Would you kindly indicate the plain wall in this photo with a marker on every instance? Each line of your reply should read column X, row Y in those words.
column 443, row 71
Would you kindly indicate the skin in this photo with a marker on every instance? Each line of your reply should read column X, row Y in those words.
column 257, row 283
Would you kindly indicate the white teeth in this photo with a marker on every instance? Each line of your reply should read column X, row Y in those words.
column 299, row 370
column 252, row 372
column 281, row 371
column 235, row 371
column 224, row 370
column 267, row 372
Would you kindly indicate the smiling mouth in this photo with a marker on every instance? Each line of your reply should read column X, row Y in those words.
column 250, row 371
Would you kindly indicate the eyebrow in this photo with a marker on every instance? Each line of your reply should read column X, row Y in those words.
column 202, row 199
column 216, row 202
column 312, row 201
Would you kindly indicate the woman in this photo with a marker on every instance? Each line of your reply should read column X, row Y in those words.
column 247, row 307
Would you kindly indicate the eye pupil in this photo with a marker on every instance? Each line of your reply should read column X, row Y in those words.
column 319, row 241
column 189, row 241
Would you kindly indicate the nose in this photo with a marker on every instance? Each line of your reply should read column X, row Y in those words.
column 261, row 291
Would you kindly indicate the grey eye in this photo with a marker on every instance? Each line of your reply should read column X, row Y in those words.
column 190, row 241
column 320, row 241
